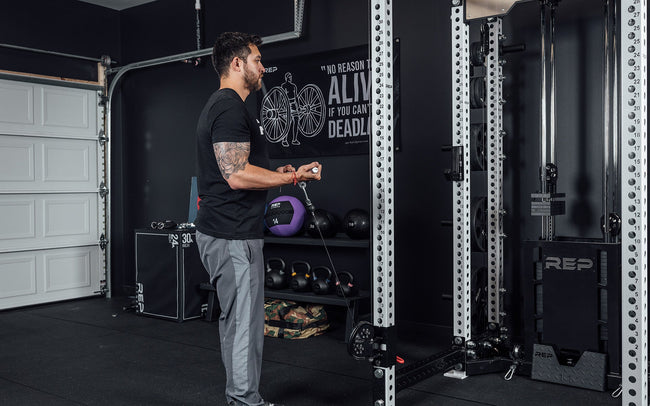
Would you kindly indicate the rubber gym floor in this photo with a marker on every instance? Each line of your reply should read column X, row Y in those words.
column 92, row 352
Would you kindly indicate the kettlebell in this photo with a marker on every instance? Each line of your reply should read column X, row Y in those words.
column 300, row 279
column 276, row 277
column 345, row 286
column 321, row 285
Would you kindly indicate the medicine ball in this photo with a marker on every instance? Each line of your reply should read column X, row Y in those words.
column 323, row 220
column 357, row 224
column 284, row 216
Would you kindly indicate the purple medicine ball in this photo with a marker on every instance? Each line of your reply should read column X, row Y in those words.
column 284, row 216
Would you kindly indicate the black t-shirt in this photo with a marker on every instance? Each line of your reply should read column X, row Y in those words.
column 224, row 212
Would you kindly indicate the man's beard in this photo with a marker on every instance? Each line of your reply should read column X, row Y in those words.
column 251, row 82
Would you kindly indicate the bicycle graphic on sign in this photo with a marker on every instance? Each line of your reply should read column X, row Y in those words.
column 285, row 109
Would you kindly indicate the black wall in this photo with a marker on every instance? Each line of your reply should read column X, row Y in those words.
column 66, row 26
column 161, row 105
column 156, row 108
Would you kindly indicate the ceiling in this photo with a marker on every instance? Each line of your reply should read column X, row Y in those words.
column 117, row 4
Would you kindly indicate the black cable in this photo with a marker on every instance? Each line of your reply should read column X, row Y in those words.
column 311, row 209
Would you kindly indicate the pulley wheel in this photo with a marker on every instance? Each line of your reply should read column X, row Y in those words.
column 479, row 224
column 477, row 92
column 477, row 150
column 361, row 341
column 476, row 54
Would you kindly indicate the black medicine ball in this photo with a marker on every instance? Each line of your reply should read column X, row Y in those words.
column 357, row 224
column 326, row 222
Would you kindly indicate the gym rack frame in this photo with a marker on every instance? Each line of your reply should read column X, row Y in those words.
column 633, row 133
column 631, row 106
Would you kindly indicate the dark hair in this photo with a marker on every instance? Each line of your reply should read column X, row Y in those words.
column 229, row 45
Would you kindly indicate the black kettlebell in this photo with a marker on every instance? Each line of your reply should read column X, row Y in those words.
column 321, row 285
column 345, row 286
column 300, row 279
column 276, row 277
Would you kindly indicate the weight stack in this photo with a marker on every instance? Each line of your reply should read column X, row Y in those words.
column 572, row 297
column 168, row 275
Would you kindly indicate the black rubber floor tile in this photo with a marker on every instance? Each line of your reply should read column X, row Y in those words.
column 92, row 352
column 311, row 387
column 322, row 352
column 409, row 397
column 493, row 389
column 19, row 395
column 133, row 369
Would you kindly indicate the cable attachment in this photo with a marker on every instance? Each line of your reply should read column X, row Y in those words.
column 196, row 61
column 517, row 356
column 310, row 207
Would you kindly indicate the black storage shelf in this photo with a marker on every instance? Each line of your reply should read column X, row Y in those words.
column 351, row 316
column 311, row 297
column 340, row 240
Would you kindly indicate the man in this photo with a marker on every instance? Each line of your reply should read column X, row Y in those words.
column 232, row 183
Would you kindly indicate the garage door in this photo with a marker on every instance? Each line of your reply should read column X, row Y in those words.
column 51, row 209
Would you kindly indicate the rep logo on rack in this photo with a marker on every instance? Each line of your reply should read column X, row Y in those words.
column 569, row 264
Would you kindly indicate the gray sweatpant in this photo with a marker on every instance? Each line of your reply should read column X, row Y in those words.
column 237, row 267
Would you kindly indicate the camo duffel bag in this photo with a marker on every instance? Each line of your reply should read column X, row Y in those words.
column 287, row 319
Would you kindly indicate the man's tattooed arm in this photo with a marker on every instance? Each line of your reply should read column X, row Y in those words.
column 231, row 156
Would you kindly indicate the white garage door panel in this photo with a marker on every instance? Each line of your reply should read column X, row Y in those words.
column 51, row 212
column 39, row 221
column 30, row 164
column 17, row 103
column 67, row 216
column 67, row 271
column 17, row 275
column 66, row 162
column 17, row 216
column 47, row 111
column 34, row 277
column 64, row 108
column 16, row 161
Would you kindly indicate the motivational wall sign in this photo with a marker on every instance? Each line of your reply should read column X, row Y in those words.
column 317, row 105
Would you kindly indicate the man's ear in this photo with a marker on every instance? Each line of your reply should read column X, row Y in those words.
column 235, row 64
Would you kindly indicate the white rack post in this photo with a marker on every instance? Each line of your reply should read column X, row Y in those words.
column 495, row 157
column 381, row 54
column 634, row 204
column 461, row 189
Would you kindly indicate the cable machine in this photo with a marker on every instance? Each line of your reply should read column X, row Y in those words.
column 625, row 130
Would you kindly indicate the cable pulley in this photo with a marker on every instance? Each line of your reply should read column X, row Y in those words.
column 477, row 142
column 478, row 49
column 479, row 224
column 476, row 54
column 362, row 344
column 477, row 92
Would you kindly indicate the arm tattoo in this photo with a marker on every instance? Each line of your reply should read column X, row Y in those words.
column 231, row 156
